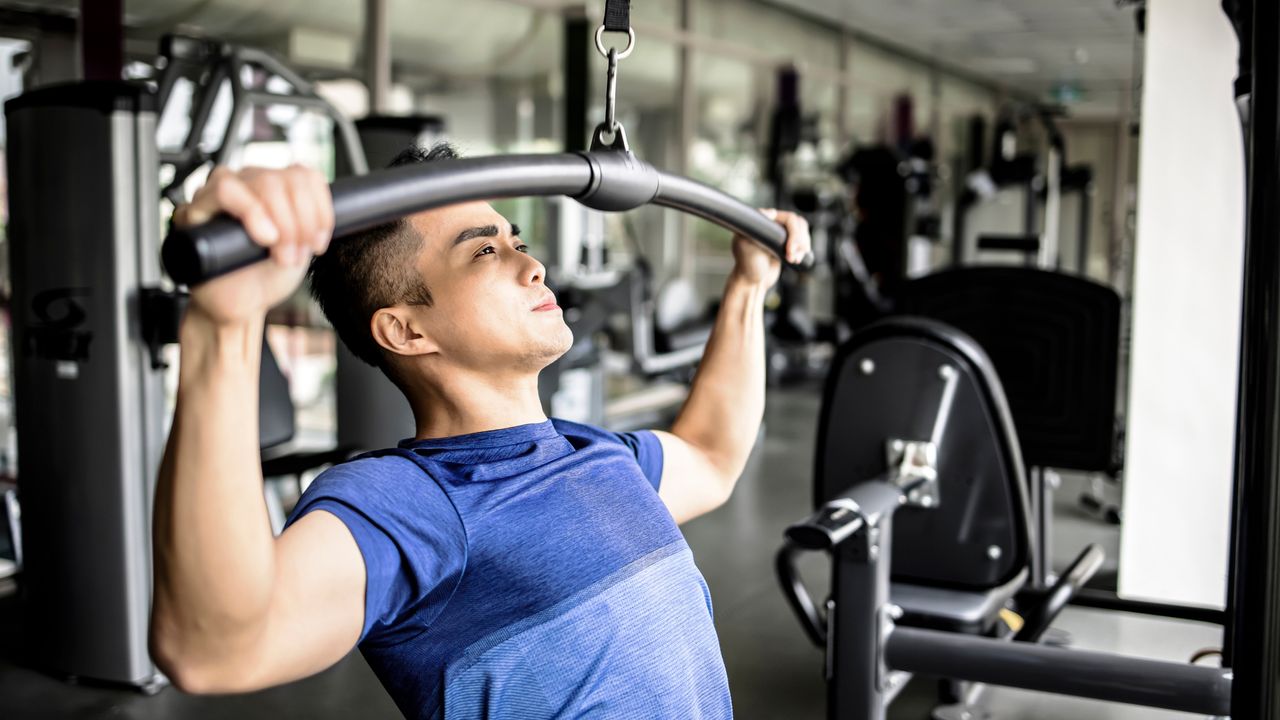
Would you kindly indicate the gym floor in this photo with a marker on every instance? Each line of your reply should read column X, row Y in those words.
column 774, row 672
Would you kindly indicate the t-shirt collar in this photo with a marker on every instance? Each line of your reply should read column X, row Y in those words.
column 530, row 432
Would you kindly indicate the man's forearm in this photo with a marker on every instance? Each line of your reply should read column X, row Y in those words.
column 722, row 414
column 213, row 543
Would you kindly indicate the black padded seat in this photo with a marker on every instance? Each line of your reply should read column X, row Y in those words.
column 963, row 611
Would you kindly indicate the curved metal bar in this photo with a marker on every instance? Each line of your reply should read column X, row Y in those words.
column 194, row 255
column 608, row 180
column 708, row 203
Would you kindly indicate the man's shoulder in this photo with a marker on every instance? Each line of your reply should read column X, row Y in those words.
column 377, row 469
column 379, row 485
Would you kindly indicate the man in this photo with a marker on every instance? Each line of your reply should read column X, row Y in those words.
column 499, row 564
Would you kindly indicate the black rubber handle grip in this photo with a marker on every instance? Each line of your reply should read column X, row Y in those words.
column 203, row 252
column 607, row 180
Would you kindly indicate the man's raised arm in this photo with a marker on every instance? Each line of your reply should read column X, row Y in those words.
column 235, row 608
column 712, row 437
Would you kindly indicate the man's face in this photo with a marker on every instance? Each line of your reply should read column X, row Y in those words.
column 491, row 309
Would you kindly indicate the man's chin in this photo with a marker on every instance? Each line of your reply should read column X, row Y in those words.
column 555, row 345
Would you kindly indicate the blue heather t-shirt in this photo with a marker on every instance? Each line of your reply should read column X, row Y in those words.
column 529, row 572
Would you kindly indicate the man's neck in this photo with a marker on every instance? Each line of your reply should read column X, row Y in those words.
column 469, row 403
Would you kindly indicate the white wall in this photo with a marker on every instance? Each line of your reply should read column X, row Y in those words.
column 1186, row 311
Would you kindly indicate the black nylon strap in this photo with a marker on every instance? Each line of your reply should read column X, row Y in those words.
column 617, row 15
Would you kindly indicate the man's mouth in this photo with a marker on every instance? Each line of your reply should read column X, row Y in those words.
column 549, row 304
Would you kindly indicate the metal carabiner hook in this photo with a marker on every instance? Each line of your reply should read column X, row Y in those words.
column 611, row 127
column 611, row 92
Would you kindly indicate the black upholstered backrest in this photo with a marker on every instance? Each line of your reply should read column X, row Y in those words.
column 886, row 384
column 1054, row 339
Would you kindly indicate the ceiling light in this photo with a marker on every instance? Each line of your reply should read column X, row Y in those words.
column 1004, row 65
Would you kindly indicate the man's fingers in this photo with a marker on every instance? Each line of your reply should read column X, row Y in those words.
column 798, row 243
column 232, row 196
column 272, row 190
column 226, row 193
column 324, row 210
column 306, row 207
column 289, row 211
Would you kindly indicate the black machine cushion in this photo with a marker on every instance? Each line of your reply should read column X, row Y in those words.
column 275, row 407
column 964, row 611
column 1054, row 339
column 978, row 537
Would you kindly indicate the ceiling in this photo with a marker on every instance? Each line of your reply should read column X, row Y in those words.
column 1047, row 48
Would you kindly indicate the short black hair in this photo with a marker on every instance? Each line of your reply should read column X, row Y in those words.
column 373, row 269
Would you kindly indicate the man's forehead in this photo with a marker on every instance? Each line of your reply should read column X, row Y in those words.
column 440, row 226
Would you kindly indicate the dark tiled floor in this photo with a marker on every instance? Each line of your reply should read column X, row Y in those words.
column 774, row 672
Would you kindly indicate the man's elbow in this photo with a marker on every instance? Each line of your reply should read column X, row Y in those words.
column 723, row 470
column 725, row 482
column 199, row 673
column 197, row 678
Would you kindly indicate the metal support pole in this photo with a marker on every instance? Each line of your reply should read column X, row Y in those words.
column 859, row 684
column 1037, row 486
column 102, row 39
column 1107, row 600
column 935, row 107
column 577, row 81
column 854, row 670
column 688, row 123
column 1253, row 639
column 1086, row 209
column 1118, row 274
column 842, row 90
column 377, row 55
column 1079, row 673
column 1049, row 257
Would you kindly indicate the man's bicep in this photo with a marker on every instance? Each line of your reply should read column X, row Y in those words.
column 317, row 610
column 691, row 484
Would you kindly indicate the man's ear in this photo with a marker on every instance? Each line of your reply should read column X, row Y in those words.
column 399, row 332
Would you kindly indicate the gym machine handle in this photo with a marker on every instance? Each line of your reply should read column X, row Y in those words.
column 841, row 517
column 608, row 180
column 1039, row 617
column 864, row 505
column 797, row 595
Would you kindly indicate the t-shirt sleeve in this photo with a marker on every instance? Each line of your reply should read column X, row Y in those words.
column 648, row 452
column 411, row 538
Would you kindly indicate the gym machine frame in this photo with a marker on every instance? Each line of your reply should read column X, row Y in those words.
column 869, row 659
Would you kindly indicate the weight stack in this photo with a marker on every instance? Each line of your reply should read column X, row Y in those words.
column 84, row 239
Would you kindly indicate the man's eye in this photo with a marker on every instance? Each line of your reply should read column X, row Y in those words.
column 523, row 248
column 485, row 250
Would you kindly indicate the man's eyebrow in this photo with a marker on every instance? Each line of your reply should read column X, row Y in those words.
column 515, row 230
column 475, row 232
